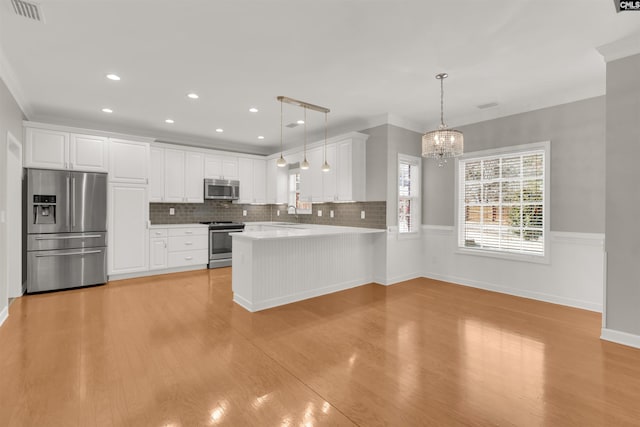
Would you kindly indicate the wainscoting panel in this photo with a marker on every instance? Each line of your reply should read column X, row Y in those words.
column 574, row 277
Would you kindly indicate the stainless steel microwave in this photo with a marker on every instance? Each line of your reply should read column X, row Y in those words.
column 221, row 189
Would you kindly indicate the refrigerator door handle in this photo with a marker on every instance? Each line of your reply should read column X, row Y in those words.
column 69, row 254
column 68, row 237
column 73, row 210
column 68, row 204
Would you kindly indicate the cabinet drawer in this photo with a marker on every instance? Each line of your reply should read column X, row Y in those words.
column 188, row 243
column 182, row 258
column 157, row 232
column 201, row 231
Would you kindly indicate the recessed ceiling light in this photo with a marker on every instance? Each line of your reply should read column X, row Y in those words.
column 170, row 121
column 261, row 137
column 114, row 77
column 193, row 95
column 107, row 110
column 253, row 109
column 219, row 130
column 300, row 122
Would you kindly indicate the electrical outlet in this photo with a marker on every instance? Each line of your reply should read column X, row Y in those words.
column 244, row 212
column 319, row 212
column 361, row 214
column 278, row 212
column 331, row 214
column 172, row 211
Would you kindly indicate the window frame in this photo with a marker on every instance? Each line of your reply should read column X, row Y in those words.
column 545, row 258
column 416, row 200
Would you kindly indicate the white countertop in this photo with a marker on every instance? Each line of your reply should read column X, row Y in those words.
column 279, row 230
column 178, row 226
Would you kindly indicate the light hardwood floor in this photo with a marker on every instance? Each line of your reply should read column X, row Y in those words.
column 174, row 350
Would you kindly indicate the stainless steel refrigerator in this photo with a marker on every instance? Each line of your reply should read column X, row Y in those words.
column 66, row 229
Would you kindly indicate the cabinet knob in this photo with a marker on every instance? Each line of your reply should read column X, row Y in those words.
column 188, row 258
column 188, row 243
column 188, row 232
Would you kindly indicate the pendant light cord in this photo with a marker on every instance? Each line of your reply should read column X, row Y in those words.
column 325, row 138
column 442, row 102
column 305, row 133
column 281, row 129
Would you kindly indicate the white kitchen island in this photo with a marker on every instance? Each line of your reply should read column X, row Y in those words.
column 278, row 263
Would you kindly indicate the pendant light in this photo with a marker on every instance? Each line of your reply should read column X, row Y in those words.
column 305, row 163
column 442, row 143
column 281, row 162
column 325, row 165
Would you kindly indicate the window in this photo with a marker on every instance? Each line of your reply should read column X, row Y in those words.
column 408, row 194
column 502, row 201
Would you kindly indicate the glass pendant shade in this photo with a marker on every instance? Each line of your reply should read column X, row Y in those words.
column 281, row 162
column 326, row 167
column 305, row 164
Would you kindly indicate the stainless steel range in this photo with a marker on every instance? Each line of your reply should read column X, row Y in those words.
column 220, row 242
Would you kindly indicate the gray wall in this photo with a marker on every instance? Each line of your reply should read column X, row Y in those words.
column 577, row 134
column 377, row 163
column 10, row 120
column 623, row 195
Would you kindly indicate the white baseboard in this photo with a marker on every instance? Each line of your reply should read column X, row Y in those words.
column 397, row 279
column 156, row 272
column 620, row 337
column 585, row 305
column 4, row 314
column 300, row 296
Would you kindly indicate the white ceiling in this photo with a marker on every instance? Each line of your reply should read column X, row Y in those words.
column 363, row 59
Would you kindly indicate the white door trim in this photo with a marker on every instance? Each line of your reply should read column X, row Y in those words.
column 13, row 249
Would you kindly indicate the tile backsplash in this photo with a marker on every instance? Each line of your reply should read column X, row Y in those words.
column 345, row 214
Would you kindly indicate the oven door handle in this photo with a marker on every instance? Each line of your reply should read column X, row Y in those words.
column 225, row 231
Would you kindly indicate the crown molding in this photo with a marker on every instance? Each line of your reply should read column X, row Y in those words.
column 9, row 78
column 620, row 48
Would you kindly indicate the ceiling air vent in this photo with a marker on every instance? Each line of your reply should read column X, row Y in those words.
column 28, row 10
column 489, row 105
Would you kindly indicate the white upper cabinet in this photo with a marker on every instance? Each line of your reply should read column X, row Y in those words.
column 46, row 149
column 277, row 182
column 351, row 170
column 194, row 177
column 259, row 181
column 221, row 167
column 129, row 161
column 314, row 156
column 252, row 174
column 53, row 149
column 177, row 176
column 174, row 168
column 88, row 153
column 329, row 187
column 245, row 175
column 156, row 175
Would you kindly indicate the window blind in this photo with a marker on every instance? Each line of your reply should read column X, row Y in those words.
column 501, row 203
column 408, row 194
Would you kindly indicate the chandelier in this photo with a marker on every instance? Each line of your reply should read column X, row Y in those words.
column 442, row 143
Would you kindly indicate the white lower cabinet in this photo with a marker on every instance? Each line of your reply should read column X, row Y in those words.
column 158, row 248
column 128, row 229
column 178, row 247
